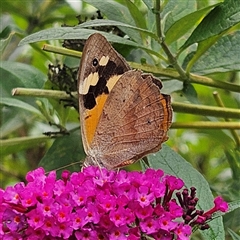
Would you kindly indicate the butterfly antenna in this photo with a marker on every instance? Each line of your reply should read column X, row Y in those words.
column 68, row 165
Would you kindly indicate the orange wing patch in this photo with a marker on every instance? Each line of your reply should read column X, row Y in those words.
column 91, row 117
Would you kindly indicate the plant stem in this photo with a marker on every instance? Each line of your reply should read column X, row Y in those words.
column 206, row 125
column 157, row 12
column 42, row 93
column 177, row 107
column 27, row 140
column 206, row 110
column 172, row 59
column 221, row 104
column 10, row 145
column 171, row 73
column 60, row 50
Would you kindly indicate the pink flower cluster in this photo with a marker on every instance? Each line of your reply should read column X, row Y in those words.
column 100, row 204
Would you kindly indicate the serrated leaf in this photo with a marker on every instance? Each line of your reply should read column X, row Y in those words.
column 221, row 57
column 20, row 104
column 221, row 18
column 65, row 151
column 174, row 164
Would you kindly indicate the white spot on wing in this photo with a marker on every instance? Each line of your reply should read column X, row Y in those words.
column 112, row 81
column 103, row 61
column 91, row 80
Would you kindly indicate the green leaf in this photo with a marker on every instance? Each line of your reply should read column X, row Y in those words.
column 216, row 230
column 174, row 12
column 20, row 104
column 14, row 74
column 185, row 24
column 203, row 46
column 70, row 33
column 118, row 12
column 233, row 234
column 190, row 93
column 174, row 164
column 234, row 205
column 221, row 18
column 149, row 4
column 220, row 57
column 15, row 145
column 5, row 41
column 81, row 33
column 65, row 153
column 220, row 137
column 12, row 119
column 105, row 22
column 233, row 157
column 13, row 8
column 136, row 14
column 233, row 160
column 116, row 39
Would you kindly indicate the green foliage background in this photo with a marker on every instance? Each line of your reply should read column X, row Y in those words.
column 198, row 62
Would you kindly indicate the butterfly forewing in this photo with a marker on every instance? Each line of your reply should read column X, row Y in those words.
column 100, row 68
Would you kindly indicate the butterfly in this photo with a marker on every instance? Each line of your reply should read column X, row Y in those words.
column 123, row 114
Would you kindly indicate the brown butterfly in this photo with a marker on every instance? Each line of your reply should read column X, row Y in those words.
column 123, row 114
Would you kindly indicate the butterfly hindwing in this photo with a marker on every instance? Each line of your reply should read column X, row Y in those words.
column 132, row 123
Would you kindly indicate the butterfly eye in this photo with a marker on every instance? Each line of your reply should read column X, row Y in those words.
column 95, row 62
